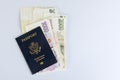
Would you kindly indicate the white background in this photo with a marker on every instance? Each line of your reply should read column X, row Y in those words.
column 93, row 40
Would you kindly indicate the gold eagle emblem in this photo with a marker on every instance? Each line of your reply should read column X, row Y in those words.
column 34, row 48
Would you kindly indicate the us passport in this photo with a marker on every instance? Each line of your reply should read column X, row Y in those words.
column 36, row 50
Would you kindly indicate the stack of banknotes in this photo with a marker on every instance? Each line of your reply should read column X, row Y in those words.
column 53, row 26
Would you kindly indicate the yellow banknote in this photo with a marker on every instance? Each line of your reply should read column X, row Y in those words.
column 33, row 14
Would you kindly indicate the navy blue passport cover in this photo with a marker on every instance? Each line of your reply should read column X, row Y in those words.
column 36, row 50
